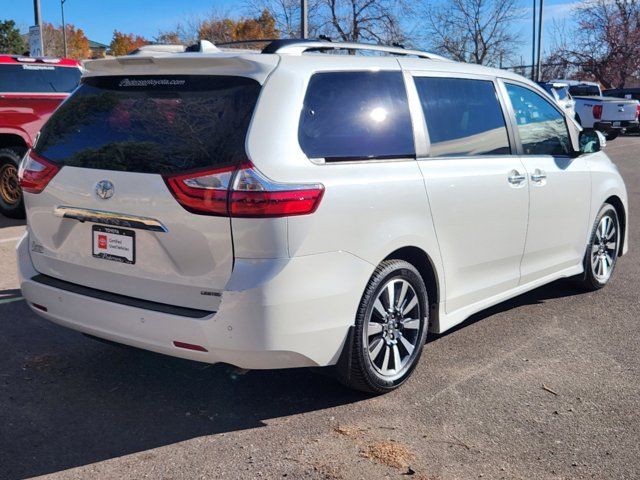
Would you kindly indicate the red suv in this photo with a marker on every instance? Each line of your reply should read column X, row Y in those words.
column 30, row 90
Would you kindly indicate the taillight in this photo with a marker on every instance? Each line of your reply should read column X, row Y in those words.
column 638, row 112
column 244, row 192
column 35, row 173
column 597, row 112
column 203, row 192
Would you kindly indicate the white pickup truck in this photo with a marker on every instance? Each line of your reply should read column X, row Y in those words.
column 611, row 116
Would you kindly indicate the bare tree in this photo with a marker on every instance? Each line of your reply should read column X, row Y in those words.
column 606, row 41
column 473, row 31
column 374, row 21
column 184, row 32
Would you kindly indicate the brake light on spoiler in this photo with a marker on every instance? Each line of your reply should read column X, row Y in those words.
column 242, row 192
column 35, row 173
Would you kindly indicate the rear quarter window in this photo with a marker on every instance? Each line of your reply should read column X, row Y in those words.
column 152, row 124
column 464, row 117
column 38, row 78
column 356, row 116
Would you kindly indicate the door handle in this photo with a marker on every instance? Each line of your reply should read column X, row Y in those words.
column 538, row 176
column 516, row 178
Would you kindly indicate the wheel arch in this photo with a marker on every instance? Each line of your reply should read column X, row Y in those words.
column 425, row 266
column 12, row 140
column 616, row 203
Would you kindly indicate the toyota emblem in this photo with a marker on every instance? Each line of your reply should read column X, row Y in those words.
column 104, row 189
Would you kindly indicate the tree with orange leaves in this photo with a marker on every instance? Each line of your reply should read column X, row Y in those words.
column 77, row 42
column 125, row 43
column 220, row 28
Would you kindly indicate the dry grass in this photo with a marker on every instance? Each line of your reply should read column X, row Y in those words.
column 347, row 431
column 328, row 472
column 389, row 453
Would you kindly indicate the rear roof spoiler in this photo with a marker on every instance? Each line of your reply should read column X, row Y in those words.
column 203, row 46
column 249, row 65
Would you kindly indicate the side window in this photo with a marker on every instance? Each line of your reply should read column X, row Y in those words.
column 356, row 115
column 463, row 116
column 541, row 127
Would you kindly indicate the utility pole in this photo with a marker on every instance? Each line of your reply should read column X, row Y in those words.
column 539, row 73
column 35, row 32
column 304, row 18
column 64, row 29
column 533, row 44
column 36, row 11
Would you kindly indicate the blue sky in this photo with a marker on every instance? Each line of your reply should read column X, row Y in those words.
column 146, row 17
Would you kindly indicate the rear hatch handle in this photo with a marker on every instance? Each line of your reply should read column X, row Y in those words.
column 110, row 218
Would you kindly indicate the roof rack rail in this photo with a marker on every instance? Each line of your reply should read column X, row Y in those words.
column 298, row 47
column 245, row 42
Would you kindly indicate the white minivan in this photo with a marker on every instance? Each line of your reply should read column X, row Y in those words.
column 305, row 206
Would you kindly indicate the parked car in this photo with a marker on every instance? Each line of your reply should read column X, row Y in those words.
column 560, row 93
column 270, row 210
column 30, row 90
column 611, row 116
column 627, row 93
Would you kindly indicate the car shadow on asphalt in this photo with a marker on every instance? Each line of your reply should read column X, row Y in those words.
column 68, row 401
column 559, row 289
column 10, row 222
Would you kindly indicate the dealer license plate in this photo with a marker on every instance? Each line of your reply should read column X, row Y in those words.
column 114, row 244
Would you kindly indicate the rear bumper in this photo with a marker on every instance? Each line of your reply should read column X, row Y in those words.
column 606, row 126
column 276, row 313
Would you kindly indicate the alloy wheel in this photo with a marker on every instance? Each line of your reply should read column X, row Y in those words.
column 9, row 185
column 393, row 328
column 604, row 249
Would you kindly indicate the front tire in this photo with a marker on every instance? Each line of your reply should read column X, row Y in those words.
column 11, row 200
column 390, row 330
column 602, row 252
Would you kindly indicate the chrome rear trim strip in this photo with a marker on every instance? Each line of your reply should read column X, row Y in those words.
column 110, row 218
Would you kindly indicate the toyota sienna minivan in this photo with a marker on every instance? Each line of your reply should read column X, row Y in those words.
column 306, row 206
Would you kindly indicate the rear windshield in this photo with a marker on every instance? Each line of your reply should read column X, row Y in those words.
column 38, row 78
column 584, row 91
column 151, row 124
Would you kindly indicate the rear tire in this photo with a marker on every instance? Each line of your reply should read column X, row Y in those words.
column 390, row 330
column 11, row 199
column 612, row 135
column 602, row 252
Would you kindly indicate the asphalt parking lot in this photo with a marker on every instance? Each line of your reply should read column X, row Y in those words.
column 544, row 386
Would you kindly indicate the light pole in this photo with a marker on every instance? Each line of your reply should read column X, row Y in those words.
column 533, row 45
column 304, row 18
column 539, row 72
column 64, row 29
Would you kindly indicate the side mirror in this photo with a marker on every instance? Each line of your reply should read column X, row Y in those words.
column 592, row 141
